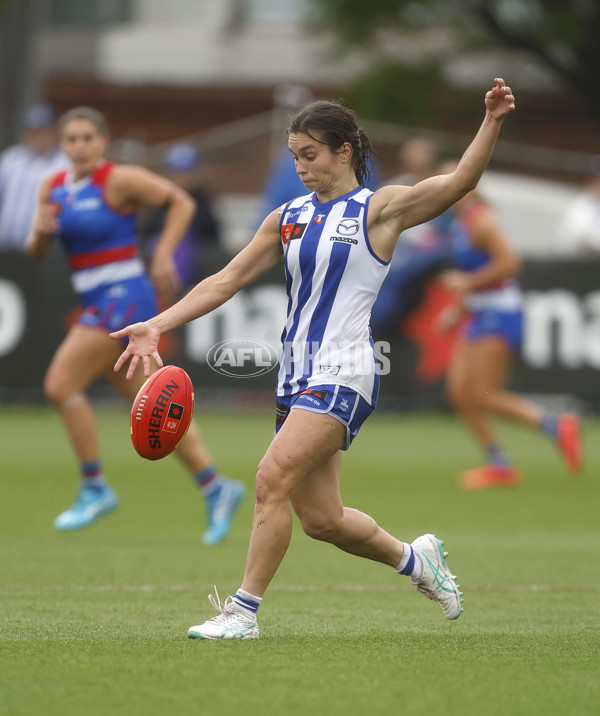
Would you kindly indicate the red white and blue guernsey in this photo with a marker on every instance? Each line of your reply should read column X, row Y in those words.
column 333, row 278
column 101, row 242
column 498, row 309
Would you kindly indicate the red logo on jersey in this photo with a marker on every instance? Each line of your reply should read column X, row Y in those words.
column 292, row 231
column 319, row 218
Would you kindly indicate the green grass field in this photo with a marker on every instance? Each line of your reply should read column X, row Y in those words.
column 94, row 622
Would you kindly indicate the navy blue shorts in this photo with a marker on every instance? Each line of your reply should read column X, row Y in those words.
column 507, row 325
column 117, row 305
column 343, row 404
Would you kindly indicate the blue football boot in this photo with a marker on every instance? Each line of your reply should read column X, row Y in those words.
column 221, row 509
column 91, row 503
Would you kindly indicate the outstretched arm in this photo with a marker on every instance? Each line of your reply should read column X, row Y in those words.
column 261, row 254
column 396, row 208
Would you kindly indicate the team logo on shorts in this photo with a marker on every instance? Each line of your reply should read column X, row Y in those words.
column 320, row 394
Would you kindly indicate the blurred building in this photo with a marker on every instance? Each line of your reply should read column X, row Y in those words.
column 216, row 73
column 182, row 66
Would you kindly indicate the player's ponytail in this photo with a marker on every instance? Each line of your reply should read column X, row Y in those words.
column 361, row 155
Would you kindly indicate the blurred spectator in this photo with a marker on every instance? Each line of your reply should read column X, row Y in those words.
column 22, row 168
column 182, row 164
column 416, row 159
column 421, row 252
column 578, row 232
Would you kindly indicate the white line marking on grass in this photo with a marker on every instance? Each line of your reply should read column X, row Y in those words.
column 313, row 588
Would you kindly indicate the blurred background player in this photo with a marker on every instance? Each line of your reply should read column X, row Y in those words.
column 422, row 251
column 491, row 301
column 22, row 168
column 92, row 207
column 200, row 246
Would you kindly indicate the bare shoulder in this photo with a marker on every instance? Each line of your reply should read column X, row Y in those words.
column 131, row 185
column 123, row 175
column 272, row 219
column 385, row 200
column 269, row 232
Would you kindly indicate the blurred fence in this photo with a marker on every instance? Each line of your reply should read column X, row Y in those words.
column 560, row 358
column 267, row 131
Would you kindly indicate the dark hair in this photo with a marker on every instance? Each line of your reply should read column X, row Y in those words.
column 89, row 113
column 337, row 124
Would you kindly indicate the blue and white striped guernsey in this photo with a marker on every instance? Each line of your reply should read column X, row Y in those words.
column 333, row 278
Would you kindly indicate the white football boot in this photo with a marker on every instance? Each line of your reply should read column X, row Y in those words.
column 437, row 582
column 232, row 623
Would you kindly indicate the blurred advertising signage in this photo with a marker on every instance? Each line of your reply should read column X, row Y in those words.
column 562, row 328
column 13, row 315
column 560, row 354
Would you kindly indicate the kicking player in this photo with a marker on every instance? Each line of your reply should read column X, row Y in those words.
column 337, row 242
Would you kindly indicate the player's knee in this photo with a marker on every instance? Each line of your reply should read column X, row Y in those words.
column 269, row 481
column 53, row 390
column 464, row 397
column 487, row 399
column 317, row 528
column 318, row 524
column 458, row 396
column 60, row 395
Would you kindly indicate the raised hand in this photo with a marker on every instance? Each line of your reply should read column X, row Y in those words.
column 499, row 101
column 143, row 343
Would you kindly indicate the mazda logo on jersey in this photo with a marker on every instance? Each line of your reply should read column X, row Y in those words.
column 292, row 231
column 348, row 227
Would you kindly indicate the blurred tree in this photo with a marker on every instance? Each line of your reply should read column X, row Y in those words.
column 561, row 35
column 416, row 104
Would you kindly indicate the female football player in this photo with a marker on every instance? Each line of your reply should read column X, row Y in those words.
column 91, row 208
column 337, row 242
column 490, row 300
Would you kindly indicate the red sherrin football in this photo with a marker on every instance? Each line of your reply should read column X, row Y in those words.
column 162, row 412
